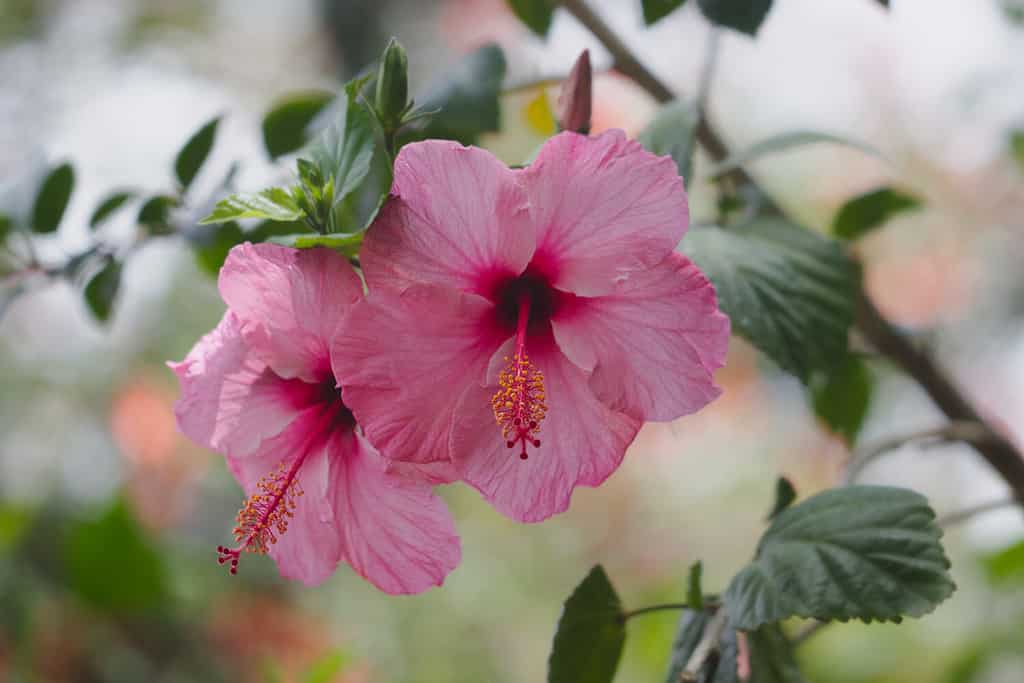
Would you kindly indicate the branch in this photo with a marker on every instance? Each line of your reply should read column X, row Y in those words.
column 707, row 645
column 971, row 433
column 954, row 518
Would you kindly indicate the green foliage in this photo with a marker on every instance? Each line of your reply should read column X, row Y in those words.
column 591, row 633
column 771, row 656
column 110, row 564
column 101, row 290
column 782, row 143
column 672, row 131
column 344, row 151
column 694, row 590
column 1017, row 143
column 155, row 214
column 14, row 522
column 52, row 198
column 785, row 494
column 466, row 98
column 790, row 292
column 870, row 210
column 344, row 243
column 859, row 552
column 192, row 155
column 841, row 396
column 211, row 244
column 327, row 668
column 1006, row 566
column 5, row 226
column 744, row 16
column 108, row 206
column 285, row 126
column 272, row 204
column 656, row 10
column 536, row 14
column 692, row 626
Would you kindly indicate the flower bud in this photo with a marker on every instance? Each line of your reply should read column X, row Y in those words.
column 574, row 101
column 392, row 85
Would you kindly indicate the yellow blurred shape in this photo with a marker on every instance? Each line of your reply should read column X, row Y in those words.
column 539, row 116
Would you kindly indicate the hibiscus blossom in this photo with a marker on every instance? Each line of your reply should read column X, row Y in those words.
column 260, row 389
column 523, row 324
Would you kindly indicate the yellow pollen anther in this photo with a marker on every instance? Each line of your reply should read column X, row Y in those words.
column 518, row 404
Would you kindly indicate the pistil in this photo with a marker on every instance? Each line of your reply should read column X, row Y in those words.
column 518, row 404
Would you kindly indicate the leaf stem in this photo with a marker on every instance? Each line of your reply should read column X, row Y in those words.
column 961, row 516
column 972, row 433
column 707, row 645
column 654, row 608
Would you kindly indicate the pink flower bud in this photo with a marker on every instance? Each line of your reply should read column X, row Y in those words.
column 574, row 101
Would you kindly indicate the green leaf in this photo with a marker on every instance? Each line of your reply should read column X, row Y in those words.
column 344, row 243
column 692, row 625
column 5, row 226
column 655, row 10
column 155, row 214
column 841, row 396
column 211, row 244
column 285, row 126
column 771, row 656
column 327, row 668
column 785, row 494
column 536, row 14
column 272, row 204
column 192, row 155
column 858, row 552
column 789, row 291
column 467, row 97
column 14, row 522
column 344, row 152
column 108, row 206
column 110, row 564
column 782, row 143
column 694, row 591
column 591, row 633
column 870, row 210
column 101, row 290
column 672, row 132
column 52, row 198
column 744, row 16
column 1017, row 145
column 1005, row 566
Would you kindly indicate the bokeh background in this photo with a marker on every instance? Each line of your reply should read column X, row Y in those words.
column 109, row 517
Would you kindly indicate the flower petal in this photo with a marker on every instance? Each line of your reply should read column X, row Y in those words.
column 395, row 532
column 403, row 360
column 459, row 218
column 653, row 343
column 290, row 301
column 230, row 401
column 582, row 443
column 603, row 208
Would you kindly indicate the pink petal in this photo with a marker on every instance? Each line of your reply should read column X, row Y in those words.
column 653, row 343
column 459, row 219
column 404, row 360
column 603, row 208
column 582, row 443
column 290, row 301
column 309, row 551
column 395, row 532
column 230, row 401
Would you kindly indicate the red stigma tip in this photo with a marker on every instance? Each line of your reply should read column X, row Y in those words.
column 523, row 456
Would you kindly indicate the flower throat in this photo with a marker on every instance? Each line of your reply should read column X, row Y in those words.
column 518, row 404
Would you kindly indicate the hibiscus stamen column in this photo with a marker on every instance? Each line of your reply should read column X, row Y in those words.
column 519, row 404
column 264, row 516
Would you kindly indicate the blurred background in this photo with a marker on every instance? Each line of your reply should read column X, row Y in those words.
column 109, row 517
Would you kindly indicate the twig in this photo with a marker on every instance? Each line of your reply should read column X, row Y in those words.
column 967, row 432
column 654, row 608
column 707, row 645
column 961, row 516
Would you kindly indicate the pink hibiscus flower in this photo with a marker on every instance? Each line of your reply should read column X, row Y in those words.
column 548, row 300
column 259, row 389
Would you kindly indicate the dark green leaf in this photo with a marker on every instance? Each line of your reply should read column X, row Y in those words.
column 191, row 157
column 467, row 97
column 211, row 244
column 790, row 292
column 344, row 152
column 785, row 494
column 536, row 14
column 273, row 204
column 694, row 591
column 347, row 244
column 870, row 210
column 111, row 565
column 52, row 198
column 782, row 143
column 591, row 633
column 720, row 668
column 101, row 290
column 672, row 132
column 155, row 214
column 771, row 656
column 655, row 10
column 740, row 15
column 5, row 226
column 1017, row 146
column 859, row 552
column 1007, row 565
column 286, row 124
column 841, row 396
column 112, row 203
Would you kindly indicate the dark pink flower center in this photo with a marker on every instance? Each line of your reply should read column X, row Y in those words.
column 265, row 514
